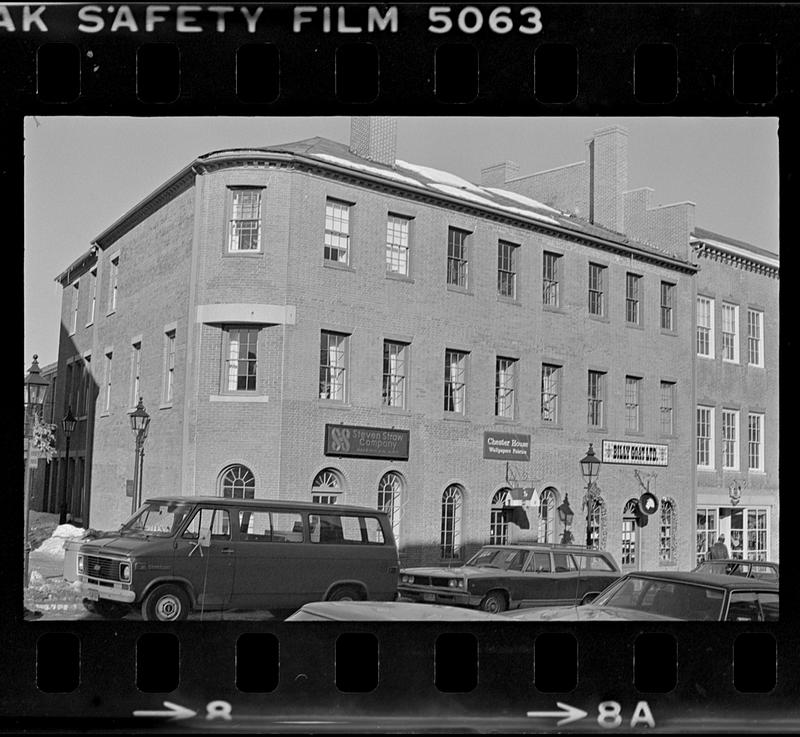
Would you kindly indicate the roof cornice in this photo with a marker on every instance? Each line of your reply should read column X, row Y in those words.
column 735, row 256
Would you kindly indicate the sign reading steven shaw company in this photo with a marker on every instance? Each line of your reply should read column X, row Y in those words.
column 506, row 446
column 635, row 454
column 366, row 442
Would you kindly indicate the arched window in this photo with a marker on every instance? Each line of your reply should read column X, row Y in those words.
column 237, row 482
column 629, row 534
column 666, row 535
column 390, row 499
column 498, row 527
column 548, row 500
column 597, row 513
column 452, row 503
column 327, row 487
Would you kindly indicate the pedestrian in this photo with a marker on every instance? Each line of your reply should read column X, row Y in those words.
column 719, row 550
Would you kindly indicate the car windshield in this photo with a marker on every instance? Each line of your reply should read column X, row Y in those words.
column 662, row 597
column 502, row 558
column 160, row 519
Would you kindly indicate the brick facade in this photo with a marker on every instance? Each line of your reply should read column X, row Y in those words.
column 176, row 273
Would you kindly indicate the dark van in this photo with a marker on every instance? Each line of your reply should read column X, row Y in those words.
column 181, row 554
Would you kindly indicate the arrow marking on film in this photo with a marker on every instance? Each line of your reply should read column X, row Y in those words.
column 567, row 713
column 174, row 711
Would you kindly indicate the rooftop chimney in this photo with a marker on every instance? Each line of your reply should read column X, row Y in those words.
column 608, row 176
column 498, row 174
column 374, row 138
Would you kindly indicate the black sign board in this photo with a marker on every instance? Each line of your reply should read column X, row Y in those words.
column 366, row 442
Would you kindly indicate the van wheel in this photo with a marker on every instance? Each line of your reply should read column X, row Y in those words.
column 494, row 602
column 345, row 593
column 166, row 603
column 110, row 609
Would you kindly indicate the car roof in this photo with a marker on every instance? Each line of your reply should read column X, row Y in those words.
column 555, row 547
column 739, row 561
column 720, row 581
column 256, row 503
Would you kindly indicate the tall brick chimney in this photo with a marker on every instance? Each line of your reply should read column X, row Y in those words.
column 374, row 138
column 498, row 174
column 607, row 159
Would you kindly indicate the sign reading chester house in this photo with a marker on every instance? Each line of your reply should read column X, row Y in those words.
column 506, row 446
column 366, row 442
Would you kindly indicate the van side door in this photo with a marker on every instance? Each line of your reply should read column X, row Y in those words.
column 204, row 555
column 271, row 559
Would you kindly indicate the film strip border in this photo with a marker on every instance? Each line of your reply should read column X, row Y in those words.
column 457, row 58
column 524, row 677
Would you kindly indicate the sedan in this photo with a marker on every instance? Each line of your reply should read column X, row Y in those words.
column 760, row 569
column 678, row 596
column 500, row 577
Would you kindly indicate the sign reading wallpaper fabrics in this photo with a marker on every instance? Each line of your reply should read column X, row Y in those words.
column 506, row 446
column 638, row 454
column 366, row 442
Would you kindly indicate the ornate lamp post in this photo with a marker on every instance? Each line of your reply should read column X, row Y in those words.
column 590, row 468
column 565, row 514
column 68, row 426
column 35, row 387
column 140, row 421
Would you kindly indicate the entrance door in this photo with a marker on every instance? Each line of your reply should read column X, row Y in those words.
column 745, row 531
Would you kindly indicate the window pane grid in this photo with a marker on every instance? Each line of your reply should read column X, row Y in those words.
column 550, row 277
column 729, row 439
column 632, row 298
column 457, row 257
column 450, row 543
column 390, row 490
column 337, row 231
column 665, row 532
column 498, row 527
column 596, row 289
column 595, row 399
column 704, row 436
column 397, row 245
column 394, row 374
column 703, row 326
column 245, row 224
column 754, row 446
column 632, row 386
column 506, row 269
column 667, row 407
column 706, row 532
column 628, row 557
column 547, row 517
column 667, row 303
column 754, row 337
column 504, row 387
column 455, row 364
column 332, row 369
column 550, row 389
column 238, row 482
column 729, row 332
column 242, row 360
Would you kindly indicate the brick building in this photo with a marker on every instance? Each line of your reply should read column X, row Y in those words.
column 320, row 320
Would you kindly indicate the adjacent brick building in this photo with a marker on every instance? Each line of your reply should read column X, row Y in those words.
column 317, row 320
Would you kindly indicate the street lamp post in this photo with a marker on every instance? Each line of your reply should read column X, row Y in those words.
column 35, row 387
column 565, row 514
column 140, row 421
column 68, row 426
column 590, row 468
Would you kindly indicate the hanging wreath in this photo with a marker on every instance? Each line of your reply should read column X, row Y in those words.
column 44, row 438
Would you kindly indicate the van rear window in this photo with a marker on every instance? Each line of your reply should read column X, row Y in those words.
column 343, row 529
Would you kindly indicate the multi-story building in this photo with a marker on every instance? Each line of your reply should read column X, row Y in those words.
column 317, row 320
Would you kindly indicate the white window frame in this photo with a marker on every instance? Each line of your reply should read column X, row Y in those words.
column 507, row 269
column 75, row 302
column 395, row 374
column 92, row 295
column 455, row 381
column 113, row 282
column 755, row 343
column 551, row 389
column 337, row 232
column 244, row 221
column 458, row 257
column 398, row 248
column 451, row 523
column 667, row 305
column 596, row 402
column 667, row 408
column 709, row 439
column 551, row 267
column 136, row 371
column 633, row 403
column 109, row 362
column 233, row 358
column 705, row 327
column 169, row 365
column 756, row 442
column 505, row 387
column 730, row 332
column 597, row 289
column 633, row 298
column 333, row 375
column 730, row 439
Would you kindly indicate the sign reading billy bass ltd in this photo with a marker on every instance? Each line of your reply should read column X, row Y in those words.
column 506, row 446
column 366, row 442
column 635, row 454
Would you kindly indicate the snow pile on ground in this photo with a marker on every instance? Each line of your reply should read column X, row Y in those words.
column 54, row 545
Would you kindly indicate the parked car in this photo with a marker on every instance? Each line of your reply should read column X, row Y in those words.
column 500, row 577
column 178, row 554
column 761, row 569
column 662, row 595
column 394, row 611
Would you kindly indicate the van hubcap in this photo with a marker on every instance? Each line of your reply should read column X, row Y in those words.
column 168, row 607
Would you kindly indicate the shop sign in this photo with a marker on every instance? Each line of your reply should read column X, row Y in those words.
column 506, row 446
column 635, row 454
column 366, row 442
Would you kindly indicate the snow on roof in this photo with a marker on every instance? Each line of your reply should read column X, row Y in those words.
column 521, row 198
column 440, row 177
column 388, row 173
column 453, row 191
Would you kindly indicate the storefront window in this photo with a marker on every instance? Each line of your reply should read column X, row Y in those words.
column 390, row 490
column 706, row 532
column 547, row 516
column 498, row 527
column 628, row 557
